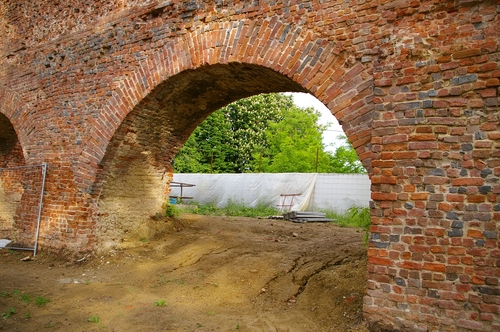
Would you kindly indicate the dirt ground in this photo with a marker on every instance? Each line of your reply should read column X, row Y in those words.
column 202, row 274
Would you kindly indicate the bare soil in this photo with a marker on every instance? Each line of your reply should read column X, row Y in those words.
column 202, row 274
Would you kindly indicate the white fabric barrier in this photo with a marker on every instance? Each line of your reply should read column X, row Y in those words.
column 337, row 192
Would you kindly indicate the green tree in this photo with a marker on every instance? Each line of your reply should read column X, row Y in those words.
column 345, row 159
column 295, row 144
column 207, row 147
column 227, row 139
column 263, row 133
column 250, row 118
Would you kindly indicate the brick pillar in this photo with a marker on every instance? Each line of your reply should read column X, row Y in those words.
column 434, row 258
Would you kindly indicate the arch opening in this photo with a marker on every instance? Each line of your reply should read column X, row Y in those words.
column 11, row 186
column 11, row 153
column 136, row 168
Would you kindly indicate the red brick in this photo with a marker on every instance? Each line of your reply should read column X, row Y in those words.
column 407, row 112
column 467, row 182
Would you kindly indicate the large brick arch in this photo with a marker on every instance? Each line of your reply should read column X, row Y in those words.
column 179, row 89
column 297, row 54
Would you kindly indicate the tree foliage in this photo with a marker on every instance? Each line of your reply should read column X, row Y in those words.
column 294, row 144
column 263, row 133
column 345, row 159
column 227, row 139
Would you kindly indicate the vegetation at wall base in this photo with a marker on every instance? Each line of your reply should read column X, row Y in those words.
column 233, row 209
column 171, row 210
column 355, row 216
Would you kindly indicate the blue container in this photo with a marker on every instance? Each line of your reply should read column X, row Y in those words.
column 173, row 200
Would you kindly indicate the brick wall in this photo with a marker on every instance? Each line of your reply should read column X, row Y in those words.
column 107, row 91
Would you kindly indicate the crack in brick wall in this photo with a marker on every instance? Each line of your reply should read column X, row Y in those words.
column 107, row 92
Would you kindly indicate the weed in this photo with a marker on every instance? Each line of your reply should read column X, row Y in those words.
column 163, row 280
column 240, row 209
column 16, row 292
column 171, row 210
column 210, row 313
column 28, row 315
column 93, row 319
column 26, row 298
column 160, row 303
column 198, row 325
column 178, row 281
column 235, row 208
column 237, row 326
column 143, row 239
column 9, row 313
column 353, row 217
column 49, row 325
column 5, row 294
column 39, row 301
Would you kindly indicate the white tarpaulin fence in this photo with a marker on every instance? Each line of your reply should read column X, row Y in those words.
column 336, row 192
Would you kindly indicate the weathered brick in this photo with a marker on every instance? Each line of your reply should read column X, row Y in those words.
column 428, row 111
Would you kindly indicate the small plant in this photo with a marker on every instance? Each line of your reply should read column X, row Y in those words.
column 198, row 325
column 237, row 326
column 143, row 239
column 210, row 313
column 26, row 298
column 28, row 315
column 93, row 319
column 171, row 210
column 9, row 313
column 354, row 217
column 178, row 281
column 39, row 301
column 160, row 303
column 5, row 294
column 49, row 325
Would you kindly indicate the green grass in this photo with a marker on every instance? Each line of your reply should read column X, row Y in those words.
column 26, row 298
column 358, row 217
column 353, row 217
column 234, row 209
column 39, row 301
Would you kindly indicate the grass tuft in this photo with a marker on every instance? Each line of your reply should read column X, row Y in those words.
column 234, row 209
column 354, row 217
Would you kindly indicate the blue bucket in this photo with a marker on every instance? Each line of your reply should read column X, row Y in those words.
column 173, row 200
